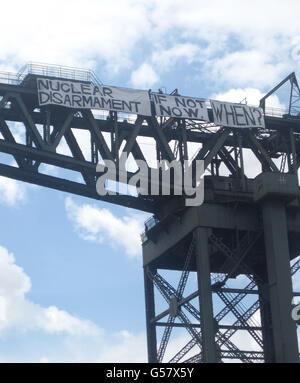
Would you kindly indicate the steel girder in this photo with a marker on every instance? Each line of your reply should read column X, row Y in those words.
column 235, row 303
column 45, row 129
column 48, row 127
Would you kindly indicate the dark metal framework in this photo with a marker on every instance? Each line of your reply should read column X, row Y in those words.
column 216, row 248
column 245, row 313
column 46, row 128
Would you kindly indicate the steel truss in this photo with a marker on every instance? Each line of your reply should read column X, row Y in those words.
column 45, row 129
column 236, row 302
column 34, row 136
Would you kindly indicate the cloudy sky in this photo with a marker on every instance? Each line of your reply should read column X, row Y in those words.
column 71, row 286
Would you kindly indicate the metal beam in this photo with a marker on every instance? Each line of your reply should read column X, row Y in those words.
column 279, row 281
column 261, row 153
column 150, row 313
column 205, row 296
column 74, row 188
column 161, row 139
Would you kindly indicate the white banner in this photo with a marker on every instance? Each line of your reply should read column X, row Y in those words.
column 237, row 115
column 78, row 95
column 180, row 107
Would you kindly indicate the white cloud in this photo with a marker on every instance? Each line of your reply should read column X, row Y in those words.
column 144, row 76
column 93, row 224
column 54, row 320
column 119, row 347
column 237, row 44
column 252, row 95
column 232, row 49
column 17, row 312
column 11, row 191
column 77, row 35
column 124, row 348
column 44, row 360
column 169, row 57
column 232, row 42
column 72, row 339
column 247, row 67
column 210, row 18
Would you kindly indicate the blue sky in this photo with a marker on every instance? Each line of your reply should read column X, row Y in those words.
column 71, row 281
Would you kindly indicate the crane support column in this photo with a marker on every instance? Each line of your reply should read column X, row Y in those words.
column 280, row 282
column 150, row 314
column 205, row 296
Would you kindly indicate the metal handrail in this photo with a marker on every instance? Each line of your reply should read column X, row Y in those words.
column 78, row 74
column 10, row 78
column 50, row 71
column 58, row 71
column 275, row 112
column 150, row 223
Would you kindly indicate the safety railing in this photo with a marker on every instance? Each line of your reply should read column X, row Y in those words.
column 49, row 71
column 60, row 72
column 275, row 112
column 149, row 224
column 78, row 74
column 10, row 78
